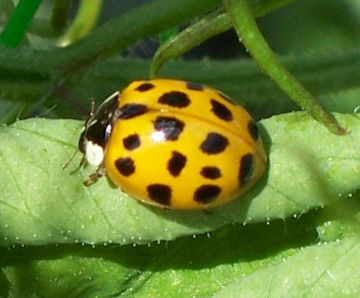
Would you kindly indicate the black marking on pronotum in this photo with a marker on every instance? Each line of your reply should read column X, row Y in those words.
column 176, row 163
column 206, row 193
column 97, row 127
column 214, row 143
column 125, row 166
column 145, row 87
column 170, row 126
column 245, row 168
column 221, row 111
column 194, row 86
column 253, row 130
column 131, row 142
column 160, row 193
column 175, row 99
column 132, row 110
column 210, row 172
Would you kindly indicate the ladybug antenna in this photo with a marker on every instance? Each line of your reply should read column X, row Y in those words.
column 64, row 166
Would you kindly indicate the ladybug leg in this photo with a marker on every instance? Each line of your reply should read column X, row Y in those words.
column 95, row 176
column 82, row 161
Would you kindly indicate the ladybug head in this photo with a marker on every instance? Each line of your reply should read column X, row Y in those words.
column 97, row 129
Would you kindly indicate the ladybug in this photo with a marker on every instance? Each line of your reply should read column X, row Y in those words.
column 174, row 144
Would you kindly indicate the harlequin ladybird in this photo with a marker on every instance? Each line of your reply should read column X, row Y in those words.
column 174, row 144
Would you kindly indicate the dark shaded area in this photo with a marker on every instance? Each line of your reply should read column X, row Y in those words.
column 227, row 245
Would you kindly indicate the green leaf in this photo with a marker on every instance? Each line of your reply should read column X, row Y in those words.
column 41, row 203
column 326, row 270
column 191, row 266
column 340, row 220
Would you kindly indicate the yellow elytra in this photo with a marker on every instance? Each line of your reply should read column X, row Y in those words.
column 174, row 144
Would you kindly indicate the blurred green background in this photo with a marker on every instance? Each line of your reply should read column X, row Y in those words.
column 317, row 40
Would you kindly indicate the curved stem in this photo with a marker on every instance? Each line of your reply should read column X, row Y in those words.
column 85, row 20
column 189, row 38
column 244, row 23
column 207, row 27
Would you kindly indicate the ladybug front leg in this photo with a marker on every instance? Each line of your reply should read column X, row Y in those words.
column 101, row 171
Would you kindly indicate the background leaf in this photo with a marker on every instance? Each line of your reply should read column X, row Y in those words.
column 43, row 204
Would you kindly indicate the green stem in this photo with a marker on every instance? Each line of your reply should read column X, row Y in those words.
column 244, row 23
column 18, row 23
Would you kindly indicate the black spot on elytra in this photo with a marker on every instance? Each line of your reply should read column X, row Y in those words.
column 214, row 143
column 245, row 169
column 227, row 98
column 206, row 193
column 144, row 87
column 194, row 86
column 210, row 172
column 253, row 130
column 159, row 193
column 175, row 99
column 170, row 126
column 221, row 111
column 132, row 110
column 125, row 166
column 176, row 163
column 131, row 142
